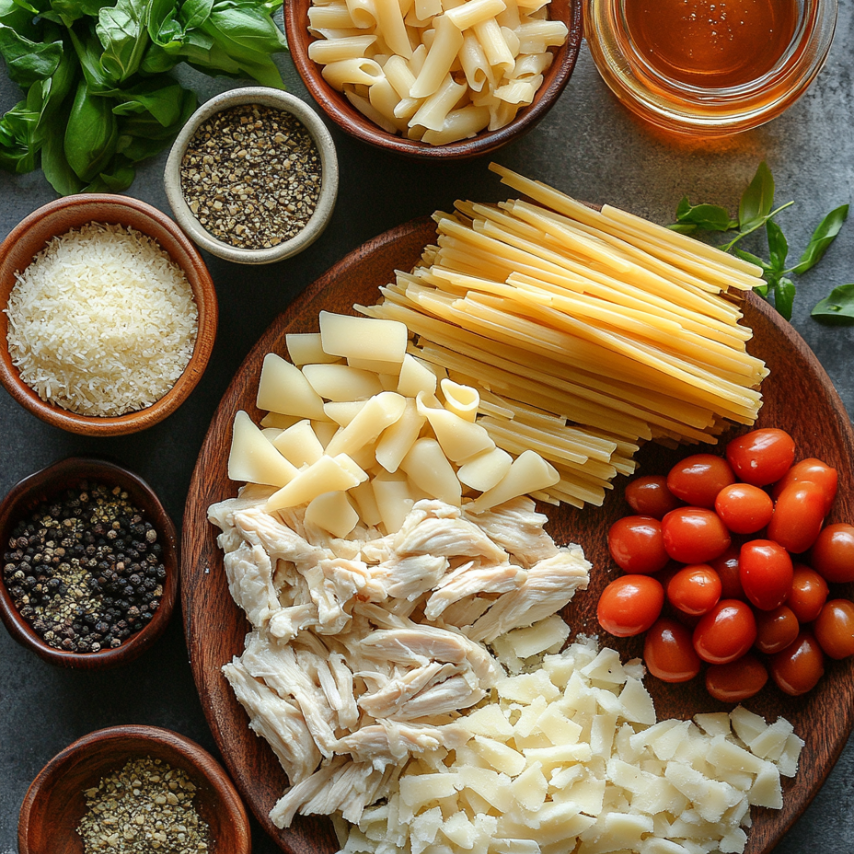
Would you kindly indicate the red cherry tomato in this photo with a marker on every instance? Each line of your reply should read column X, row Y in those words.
column 649, row 496
column 832, row 554
column 761, row 456
column 765, row 569
column 776, row 629
column 629, row 605
column 726, row 632
column 694, row 589
column 744, row 509
column 809, row 593
column 798, row 668
column 694, row 535
column 668, row 652
column 814, row 471
column 736, row 681
column 726, row 566
column 699, row 478
column 636, row 544
column 834, row 628
column 798, row 516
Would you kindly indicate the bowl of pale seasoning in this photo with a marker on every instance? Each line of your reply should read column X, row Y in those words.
column 253, row 176
column 133, row 790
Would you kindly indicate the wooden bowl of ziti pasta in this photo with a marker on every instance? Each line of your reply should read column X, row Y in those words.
column 432, row 81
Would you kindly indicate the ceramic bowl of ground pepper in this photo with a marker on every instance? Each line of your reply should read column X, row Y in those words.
column 133, row 790
column 89, row 572
column 253, row 176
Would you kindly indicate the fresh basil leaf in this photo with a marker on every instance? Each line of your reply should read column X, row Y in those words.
column 784, row 296
column 119, row 177
column 778, row 246
column 20, row 19
column 123, row 31
column 16, row 132
column 54, row 163
column 157, row 60
column 821, row 239
column 26, row 60
column 88, row 50
column 757, row 200
column 195, row 12
column 91, row 134
column 682, row 227
column 838, row 306
column 162, row 97
column 751, row 258
column 70, row 11
column 705, row 217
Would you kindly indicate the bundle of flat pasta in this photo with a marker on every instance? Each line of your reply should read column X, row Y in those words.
column 580, row 329
column 435, row 70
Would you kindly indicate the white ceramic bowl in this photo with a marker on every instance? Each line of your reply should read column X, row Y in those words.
column 277, row 100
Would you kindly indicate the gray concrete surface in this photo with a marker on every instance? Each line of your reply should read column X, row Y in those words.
column 589, row 146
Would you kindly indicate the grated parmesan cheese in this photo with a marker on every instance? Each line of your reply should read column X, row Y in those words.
column 102, row 322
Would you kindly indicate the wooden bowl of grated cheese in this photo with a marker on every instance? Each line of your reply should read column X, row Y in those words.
column 108, row 314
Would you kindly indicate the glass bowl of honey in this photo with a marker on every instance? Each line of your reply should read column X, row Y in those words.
column 708, row 68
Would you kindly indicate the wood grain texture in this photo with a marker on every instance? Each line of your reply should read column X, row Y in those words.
column 55, row 804
column 349, row 119
column 52, row 481
column 798, row 397
column 34, row 232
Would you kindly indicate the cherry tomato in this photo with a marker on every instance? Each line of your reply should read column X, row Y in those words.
column 761, row 456
column 814, row 471
column 649, row 496
column 629, row 605
column 694, row 535
column 832, row 553
column 809, row 593
column 668, row 652
column 834, row 628
column 726, row 566
column 695, row 589
column 798, row 516
column 636, row 544
column 765, row 569
column 798, row 667
column 726, row 632
column 743, row 508
column 776, row 629
column 736, row 681
column 699, row 478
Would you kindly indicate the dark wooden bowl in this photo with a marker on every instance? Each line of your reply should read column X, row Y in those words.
column 349, row 119
column 799, row 397
column 27, row 494
column 54, row 803
column 32, row 234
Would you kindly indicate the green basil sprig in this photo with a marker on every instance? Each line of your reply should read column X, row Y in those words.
column 755, row 210
column 98, row 96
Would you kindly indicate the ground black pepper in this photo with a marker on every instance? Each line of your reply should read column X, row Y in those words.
column 251, row 175
column 85, row 569
column 145, row 807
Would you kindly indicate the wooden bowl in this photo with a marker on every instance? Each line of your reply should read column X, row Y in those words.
column 26, row 495
column 797, row 385
column 349, row 119
column 54, row 803
column 32, row 234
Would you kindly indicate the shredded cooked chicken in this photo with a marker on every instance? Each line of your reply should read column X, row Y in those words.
column 363, row 651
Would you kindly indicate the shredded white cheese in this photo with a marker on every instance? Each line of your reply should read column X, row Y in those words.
column 102, row 322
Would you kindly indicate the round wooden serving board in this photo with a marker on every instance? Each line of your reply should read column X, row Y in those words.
column 798, row 397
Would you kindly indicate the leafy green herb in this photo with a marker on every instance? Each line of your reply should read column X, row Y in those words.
column 755, row 210
column 98, row 96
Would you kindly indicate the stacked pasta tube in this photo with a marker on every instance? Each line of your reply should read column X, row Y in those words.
column 435, row 70
column 584, row 332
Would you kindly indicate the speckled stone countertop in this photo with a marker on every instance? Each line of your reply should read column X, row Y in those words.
column 589, row 146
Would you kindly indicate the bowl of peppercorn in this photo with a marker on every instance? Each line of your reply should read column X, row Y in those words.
column 130, row 790
column 90, row 564
column 253, row 176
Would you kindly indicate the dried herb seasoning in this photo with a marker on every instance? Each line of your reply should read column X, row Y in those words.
column 85, row 569
column 252, row 175
column 144, row 808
